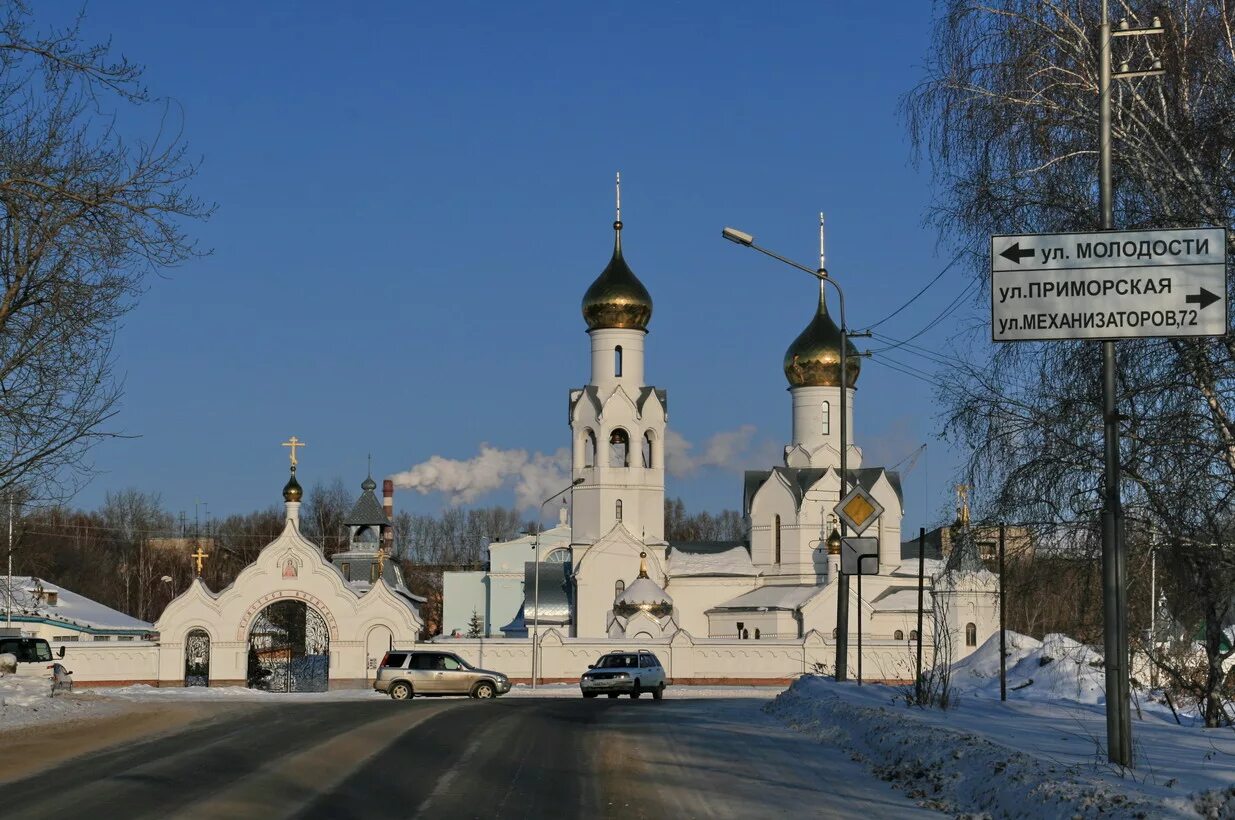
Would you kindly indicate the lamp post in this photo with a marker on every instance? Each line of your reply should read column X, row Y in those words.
column 536, row 572
column 821, row 273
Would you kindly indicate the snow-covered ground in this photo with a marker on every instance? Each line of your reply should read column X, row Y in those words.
column 1040, row 754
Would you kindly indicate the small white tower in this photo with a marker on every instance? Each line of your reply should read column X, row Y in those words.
column 617, row 422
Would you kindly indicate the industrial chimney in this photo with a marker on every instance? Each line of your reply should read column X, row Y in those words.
column 388, row 507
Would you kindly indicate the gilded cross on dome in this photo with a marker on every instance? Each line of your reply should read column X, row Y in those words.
column 200, row 557
column 294, row 442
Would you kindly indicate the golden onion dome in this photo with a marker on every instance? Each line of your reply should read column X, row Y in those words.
column 813, row 360
column 292, row 490
column 617, row 299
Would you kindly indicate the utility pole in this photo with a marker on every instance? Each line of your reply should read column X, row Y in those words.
column 8, row 609
column 1003, row 622
column 1114, row 569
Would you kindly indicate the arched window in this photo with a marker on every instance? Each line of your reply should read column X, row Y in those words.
column 971, row 634
column 776, row 539
column 617, row 510
column 618, row 589
column 617, row 360
column 835, row 633
column 589, row 449
column 647, row 449
column 756, row 634
column 619, row 448
column 746, row 634
column 827, row 418
column 557, row 556
column 913, row 634
column 898, row 635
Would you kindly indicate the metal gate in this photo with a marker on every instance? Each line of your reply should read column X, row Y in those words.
column 197, row 658
column 289, row 649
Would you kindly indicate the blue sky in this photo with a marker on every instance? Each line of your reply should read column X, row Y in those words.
column 412, row 199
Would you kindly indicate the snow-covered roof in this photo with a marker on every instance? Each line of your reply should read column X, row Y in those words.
column 773, row 597
column 643, row 590
column 901, row 599
column 721, row 558
column 69, row 608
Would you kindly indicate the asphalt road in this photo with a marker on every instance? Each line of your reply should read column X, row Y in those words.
column 448, row 758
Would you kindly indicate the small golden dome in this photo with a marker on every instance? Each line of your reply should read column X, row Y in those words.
column 813, row 360
column 617, row 299
column 292, row 490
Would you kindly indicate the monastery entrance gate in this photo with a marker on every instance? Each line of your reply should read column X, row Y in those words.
column 289, row 649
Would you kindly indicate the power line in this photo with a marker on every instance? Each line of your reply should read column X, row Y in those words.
column 914, row 298
column 952, row 307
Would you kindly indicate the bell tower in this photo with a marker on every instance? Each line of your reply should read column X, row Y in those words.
column 617, row 422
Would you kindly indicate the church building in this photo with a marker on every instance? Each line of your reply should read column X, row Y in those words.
column 621, row 579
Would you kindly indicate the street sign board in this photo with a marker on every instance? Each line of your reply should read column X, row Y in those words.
column 859, row 556
column 859, row 510
column 1109, row 285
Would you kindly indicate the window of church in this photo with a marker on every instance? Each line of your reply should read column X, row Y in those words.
column 619, row 448
column 898, row 635
column 618, row 589
column 647, row 449
column 756, row 634
column 589, row 449
column 827, row 418
column 617, row 510
column 372, row 573
column 776, row 538
column 913, row 634
column 971, row 634
column 347, row 571
column 835, row 633
column 617, row 361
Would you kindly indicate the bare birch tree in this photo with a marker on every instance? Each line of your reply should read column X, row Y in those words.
column 85, row 215
column 1007, row 117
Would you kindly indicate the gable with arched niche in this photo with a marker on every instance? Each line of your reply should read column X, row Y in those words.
column 773, row 512
column 599, row 567
column 290, row 572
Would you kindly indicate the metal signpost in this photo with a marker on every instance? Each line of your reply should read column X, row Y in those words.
column 1109, row 285
column 858, row 510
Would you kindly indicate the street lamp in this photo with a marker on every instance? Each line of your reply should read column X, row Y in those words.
column 536, row 572
column 821, row 273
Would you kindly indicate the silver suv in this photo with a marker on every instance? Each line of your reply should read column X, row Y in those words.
column 406, row 673
column 624, row 673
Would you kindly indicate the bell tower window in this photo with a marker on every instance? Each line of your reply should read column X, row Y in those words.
column 827, row 418
column 619, row 448
column 617, row 510
column 647, row 449
column 618, row 589
column 617, row 361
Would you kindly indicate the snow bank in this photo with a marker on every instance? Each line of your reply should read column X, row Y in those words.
column 27, row 699
column 950, row 770
column 1055, row 668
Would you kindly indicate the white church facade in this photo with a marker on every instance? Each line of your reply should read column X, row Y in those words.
column 621, row 579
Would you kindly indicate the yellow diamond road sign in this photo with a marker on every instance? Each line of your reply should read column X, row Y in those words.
column 859, row 510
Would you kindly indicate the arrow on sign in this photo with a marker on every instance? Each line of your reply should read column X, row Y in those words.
column 1015, row 254
column 1204, row 299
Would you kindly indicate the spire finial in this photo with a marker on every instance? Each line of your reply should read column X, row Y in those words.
column 822, row 265
column 643, row 565
column 617, row 185
column 370, row 457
